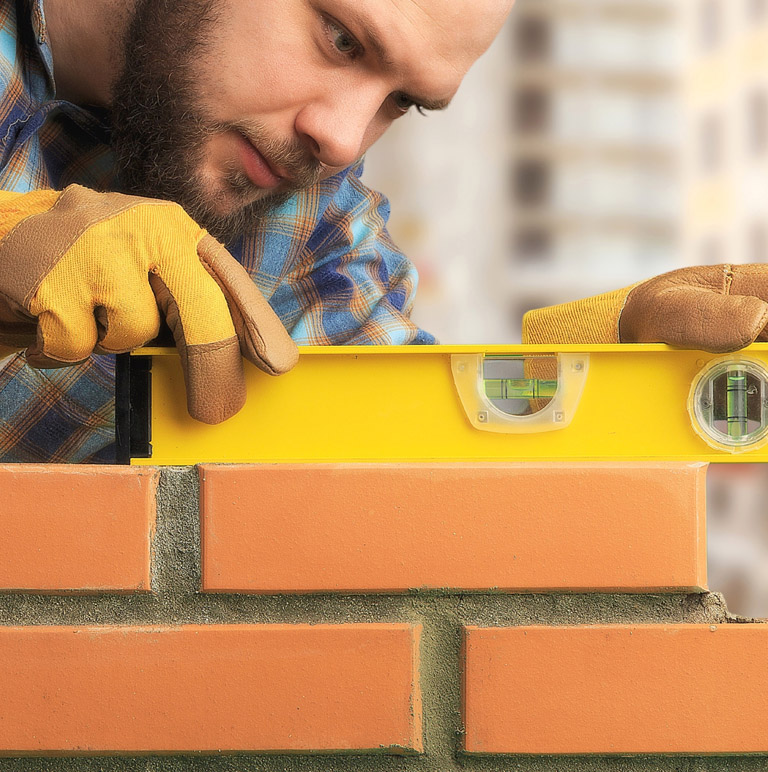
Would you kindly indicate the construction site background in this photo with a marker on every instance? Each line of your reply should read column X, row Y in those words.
column 599, row 142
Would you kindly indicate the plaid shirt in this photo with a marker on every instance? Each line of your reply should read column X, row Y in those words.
column 324, row 259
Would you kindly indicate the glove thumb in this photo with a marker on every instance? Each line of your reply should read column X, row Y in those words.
column 263, row 338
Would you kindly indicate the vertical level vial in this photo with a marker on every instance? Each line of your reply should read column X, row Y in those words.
column 736, row 400
column 728, row 404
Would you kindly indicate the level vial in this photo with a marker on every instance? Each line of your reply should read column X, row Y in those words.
column 728, row 403
column 519, row 388
column 736, row 403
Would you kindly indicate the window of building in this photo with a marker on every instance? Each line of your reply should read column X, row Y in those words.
column 757, row 10
column 533, row 39
column 532, row 182
column 533, row 245
column 757, row 122
column 711, row 142
column 532, row 111
column 710, row 23
column 758, row 243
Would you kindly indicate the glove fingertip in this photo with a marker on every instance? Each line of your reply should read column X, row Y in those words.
column 276, row 357
column 42, row 362
column 286, row 359
column 215, row 380
column 264, row 341
column 754, row 315
column 37, row 357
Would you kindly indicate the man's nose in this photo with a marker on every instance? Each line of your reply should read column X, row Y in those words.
column 337, row 128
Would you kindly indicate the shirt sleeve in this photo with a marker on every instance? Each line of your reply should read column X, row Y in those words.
column 353, row 285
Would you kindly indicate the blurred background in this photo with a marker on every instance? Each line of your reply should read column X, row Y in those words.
column 597, row 143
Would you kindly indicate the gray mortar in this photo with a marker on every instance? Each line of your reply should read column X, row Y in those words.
column 176, row 600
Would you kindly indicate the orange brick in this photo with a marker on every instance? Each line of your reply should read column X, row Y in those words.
column 314, row 528
column 209, row 688
column 694, row 689
column 76, row 528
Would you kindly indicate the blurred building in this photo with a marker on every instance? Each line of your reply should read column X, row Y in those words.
column 737, row 536
column 725, row 219
column 598, row 143
column 594, row 146
column 447, row 176
column 553, row 176
column 725, row 158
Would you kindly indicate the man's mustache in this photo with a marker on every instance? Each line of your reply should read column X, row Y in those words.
column 293, row 160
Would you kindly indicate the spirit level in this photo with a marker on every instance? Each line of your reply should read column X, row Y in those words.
column 461, row 403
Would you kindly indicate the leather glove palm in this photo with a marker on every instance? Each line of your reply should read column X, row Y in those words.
column 714, row 308
column 84, row 272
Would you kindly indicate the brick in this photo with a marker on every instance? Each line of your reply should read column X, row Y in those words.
column 693, row 689
column 513, row 527
column 76, row 528
column 209, row 688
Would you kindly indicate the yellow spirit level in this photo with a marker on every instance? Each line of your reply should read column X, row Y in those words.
column 462, row 403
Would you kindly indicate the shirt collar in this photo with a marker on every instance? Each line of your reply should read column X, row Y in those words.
column 42, row 42
column 93, row 120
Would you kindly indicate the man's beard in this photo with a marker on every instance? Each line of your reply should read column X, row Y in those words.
column 160, row 129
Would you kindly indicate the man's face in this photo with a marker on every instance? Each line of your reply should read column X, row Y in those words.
column 230, row 106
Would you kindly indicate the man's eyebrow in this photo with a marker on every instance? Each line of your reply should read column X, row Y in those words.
column 373, row 38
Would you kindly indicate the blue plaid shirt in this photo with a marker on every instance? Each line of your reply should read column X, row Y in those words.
column 324, row 259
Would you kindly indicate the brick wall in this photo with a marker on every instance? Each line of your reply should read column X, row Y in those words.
column 358, row 617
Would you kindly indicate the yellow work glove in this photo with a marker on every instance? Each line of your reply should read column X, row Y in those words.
column 84, row 272
column 714, row 308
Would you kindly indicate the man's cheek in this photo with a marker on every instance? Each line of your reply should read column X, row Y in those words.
column 216, row 150
column 210, row 175
column 377, row 129
column 254, row 89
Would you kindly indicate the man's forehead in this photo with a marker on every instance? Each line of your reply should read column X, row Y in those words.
column 462, row 28
column 447, row 35
column 474, row 22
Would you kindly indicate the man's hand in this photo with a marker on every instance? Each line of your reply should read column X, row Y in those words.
column 84, row 272
column 714, row 308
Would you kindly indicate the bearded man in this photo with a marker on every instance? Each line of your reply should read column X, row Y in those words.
column 129, row 128
column 133, row 133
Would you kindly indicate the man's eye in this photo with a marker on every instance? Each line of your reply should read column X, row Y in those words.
column 342, row 41
column 404, row 103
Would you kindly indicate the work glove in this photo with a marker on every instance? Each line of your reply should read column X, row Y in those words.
column 715, row 308
column 84, row 272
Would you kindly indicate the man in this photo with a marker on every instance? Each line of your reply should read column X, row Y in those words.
column 253, row 115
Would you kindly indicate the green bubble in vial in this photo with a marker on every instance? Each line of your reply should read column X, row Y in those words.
column 736, row 403
column 519, row 388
